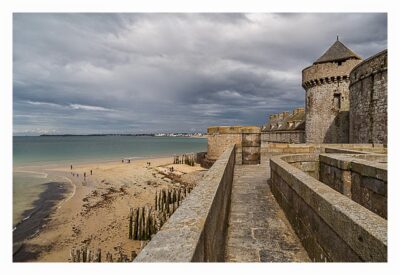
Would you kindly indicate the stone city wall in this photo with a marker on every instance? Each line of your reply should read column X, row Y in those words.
column 362, row 178
column 368, row 100
column 221, row 137
column 283, row 137
column 271, row 149
column 331, row 226
column 196, row 231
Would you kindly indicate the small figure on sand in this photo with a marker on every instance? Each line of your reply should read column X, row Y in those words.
column 129, row 161
column 84, row 174
column 91, row 172
column 71, row 166
column 122, row 161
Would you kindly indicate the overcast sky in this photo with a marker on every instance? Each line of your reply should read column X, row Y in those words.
column 144, row 73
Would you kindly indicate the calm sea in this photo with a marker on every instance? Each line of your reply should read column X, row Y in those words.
column 36, row 151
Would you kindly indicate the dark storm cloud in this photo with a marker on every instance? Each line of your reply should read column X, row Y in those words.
column 131, row 73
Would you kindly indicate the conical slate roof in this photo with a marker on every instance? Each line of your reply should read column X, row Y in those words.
column 337, row 52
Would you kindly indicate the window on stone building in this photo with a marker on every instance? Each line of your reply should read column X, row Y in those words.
column 336, row 101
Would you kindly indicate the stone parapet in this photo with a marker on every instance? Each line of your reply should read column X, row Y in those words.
column 331, row 226
column 363, row 178
column 196, row 231
column 372, row 65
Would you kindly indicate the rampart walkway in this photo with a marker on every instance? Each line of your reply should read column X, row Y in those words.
column 258, row 230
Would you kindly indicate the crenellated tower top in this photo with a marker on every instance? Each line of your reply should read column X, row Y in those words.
column 333, row 66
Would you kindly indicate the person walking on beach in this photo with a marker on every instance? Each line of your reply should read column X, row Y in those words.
column 84, row 174
column 71, row 166
column 91, row 172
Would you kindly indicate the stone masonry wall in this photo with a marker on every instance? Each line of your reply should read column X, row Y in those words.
column 307, row 163
column 221, row 137
column 196, row 231
column 330, row 226
column 283, row 137
column 368, row 101
column 324, row 122
column 327, row 102
column 363, row 178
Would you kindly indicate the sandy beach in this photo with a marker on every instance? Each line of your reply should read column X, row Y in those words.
column 94, row 210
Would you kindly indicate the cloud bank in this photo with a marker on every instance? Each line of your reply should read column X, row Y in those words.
column 143, row 73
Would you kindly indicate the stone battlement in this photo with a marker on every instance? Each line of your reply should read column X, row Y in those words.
column 373, row 65
column 319, row 74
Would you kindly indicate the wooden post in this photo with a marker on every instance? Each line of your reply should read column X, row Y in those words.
column 89, row 256
column 155, row 201
column 135, row 224
column 78, row 252
column 146, row 221
column 174, row 201
column 130, row 224
column 143, row 223
column 139, row 225
column 167, row 201
column 83, row 255
column 72, row 255
column 99, row 255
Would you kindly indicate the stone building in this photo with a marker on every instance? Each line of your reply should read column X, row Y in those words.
column 286, row 127
column 327, row 95
column 368, row 100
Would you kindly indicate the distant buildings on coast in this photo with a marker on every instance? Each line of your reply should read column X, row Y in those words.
column 134, row 135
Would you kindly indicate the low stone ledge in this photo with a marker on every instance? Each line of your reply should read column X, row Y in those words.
column 368, row 169
column 362, row 164
column 196, row 231
column 364, row 232
column 337, row 160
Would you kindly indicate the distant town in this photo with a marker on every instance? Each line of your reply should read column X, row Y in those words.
column 135, row 135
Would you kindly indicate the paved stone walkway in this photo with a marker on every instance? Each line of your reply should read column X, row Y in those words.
column 258, row 230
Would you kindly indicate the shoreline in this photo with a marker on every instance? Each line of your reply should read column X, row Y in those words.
column 57, row 163
column 72, row 219
column 36, row 218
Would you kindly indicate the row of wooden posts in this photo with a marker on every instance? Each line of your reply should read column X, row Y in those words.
column 85, row 255
column 147, row 221
column 188, row 159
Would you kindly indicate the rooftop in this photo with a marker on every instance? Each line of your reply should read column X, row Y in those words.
column 337, row 52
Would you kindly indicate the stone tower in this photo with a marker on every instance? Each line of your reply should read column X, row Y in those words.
column 327, row 95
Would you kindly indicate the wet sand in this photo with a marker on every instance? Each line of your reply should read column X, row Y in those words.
column 93, row 211
column 36, row 218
